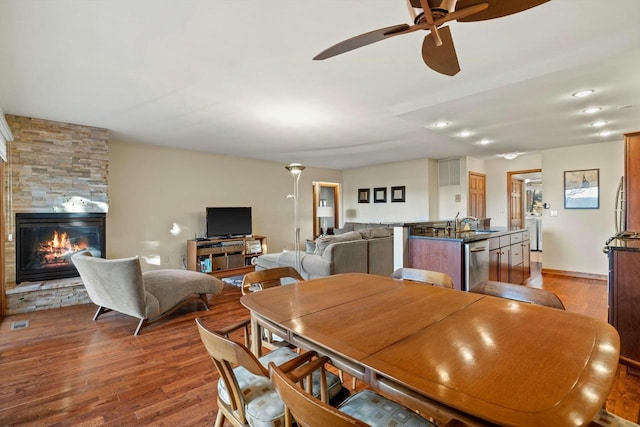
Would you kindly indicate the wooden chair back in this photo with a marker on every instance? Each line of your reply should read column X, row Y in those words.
column 227, row 354
column 306, row 409
column 518, row 293
column 269, row 278
column 424, row 276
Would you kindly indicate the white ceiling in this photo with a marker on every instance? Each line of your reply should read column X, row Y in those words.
column 236, row 77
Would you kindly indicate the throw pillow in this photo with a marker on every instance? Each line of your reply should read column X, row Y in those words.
column 311, row 246
column 323, row 242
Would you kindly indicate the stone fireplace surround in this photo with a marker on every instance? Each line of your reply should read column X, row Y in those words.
column 52, row 167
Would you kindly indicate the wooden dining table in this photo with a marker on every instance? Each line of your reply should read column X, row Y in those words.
column 448, row 353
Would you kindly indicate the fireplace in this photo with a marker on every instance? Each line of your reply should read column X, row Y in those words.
column 45, row 243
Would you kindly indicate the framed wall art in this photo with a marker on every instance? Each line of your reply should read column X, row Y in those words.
column 582, row 189
column 397, row 194
column 380, row 195
column 363, row 195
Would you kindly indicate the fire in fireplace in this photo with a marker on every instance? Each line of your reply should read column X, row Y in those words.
column 45, row 243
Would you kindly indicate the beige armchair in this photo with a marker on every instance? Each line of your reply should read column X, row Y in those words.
column 120, row 285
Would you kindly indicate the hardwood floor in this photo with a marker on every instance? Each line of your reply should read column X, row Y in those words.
column 66, row 369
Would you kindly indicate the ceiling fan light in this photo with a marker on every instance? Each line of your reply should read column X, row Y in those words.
column 591, row 110
column 583, row 93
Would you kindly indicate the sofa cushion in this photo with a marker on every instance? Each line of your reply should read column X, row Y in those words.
column 323, row 242
column 376, row 233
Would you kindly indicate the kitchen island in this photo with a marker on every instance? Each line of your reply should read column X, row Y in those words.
column 471, row 256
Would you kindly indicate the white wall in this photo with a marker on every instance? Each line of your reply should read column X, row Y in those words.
column 573, row 240
column 416, row 175
column 454, row 199
column 151, row 188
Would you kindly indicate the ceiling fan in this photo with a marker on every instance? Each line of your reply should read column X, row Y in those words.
column 438, row 51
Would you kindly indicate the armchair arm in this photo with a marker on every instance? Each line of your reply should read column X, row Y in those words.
column 231, row 328
column 292, row 364
column 306, row 370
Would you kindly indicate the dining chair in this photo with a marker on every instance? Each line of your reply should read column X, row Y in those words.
column 263, row 279
column 425, row 276
column 518, row 293
column 365, row 408
column 246, row 395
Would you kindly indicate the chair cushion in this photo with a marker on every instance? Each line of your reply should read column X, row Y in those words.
column 263, row 405
column 376, row 410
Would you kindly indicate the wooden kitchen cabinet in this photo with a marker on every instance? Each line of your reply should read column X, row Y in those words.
column 624, row 299
column 509, row 258
column 632, row 180
column 499, row 253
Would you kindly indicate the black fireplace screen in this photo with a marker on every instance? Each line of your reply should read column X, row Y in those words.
column 45, row 243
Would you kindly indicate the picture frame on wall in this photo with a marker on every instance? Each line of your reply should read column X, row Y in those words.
column 380, row 195
column 582, row 189
column 398, row 194
column 363, row 195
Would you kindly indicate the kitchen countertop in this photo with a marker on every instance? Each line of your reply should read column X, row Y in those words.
column 630, row 243
column 417, row 232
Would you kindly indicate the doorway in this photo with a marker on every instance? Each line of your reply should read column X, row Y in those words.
column 326, row 207
column 524, row 192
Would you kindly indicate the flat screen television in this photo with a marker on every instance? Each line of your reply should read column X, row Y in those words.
column 228, row 222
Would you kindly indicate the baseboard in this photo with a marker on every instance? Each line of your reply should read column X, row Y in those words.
column 590, row 276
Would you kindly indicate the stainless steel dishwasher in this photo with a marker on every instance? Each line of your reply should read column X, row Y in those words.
column 476, row 264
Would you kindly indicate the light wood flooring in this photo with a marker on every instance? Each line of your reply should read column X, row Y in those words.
column 65, row 369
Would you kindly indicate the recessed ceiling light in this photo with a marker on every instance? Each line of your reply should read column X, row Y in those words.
column 591, row 110
column 441, row 124
column 605, row 133
column 465, row 133
column 484, row 141
column 599, row 123
column 510, row 156
column 583, row 93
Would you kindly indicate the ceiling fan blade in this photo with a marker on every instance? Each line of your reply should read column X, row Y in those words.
column 443, row 58
column 361, row 40
column 497, row 8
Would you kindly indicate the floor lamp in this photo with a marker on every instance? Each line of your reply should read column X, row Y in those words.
column 296, row 170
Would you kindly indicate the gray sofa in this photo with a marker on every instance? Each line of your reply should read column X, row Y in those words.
column 368, row 250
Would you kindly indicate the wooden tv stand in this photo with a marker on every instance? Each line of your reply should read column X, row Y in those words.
column 225, row 257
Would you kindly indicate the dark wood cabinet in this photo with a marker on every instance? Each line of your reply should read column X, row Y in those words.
column 632, row 180
column 624, row 299
column 499, row 256
column 509, row 258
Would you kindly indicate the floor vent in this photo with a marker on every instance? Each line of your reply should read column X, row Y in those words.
column 20, row 324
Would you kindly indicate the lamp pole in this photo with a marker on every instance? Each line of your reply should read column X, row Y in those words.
column 296, row 170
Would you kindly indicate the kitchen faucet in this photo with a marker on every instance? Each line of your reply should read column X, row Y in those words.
column 467, row 220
